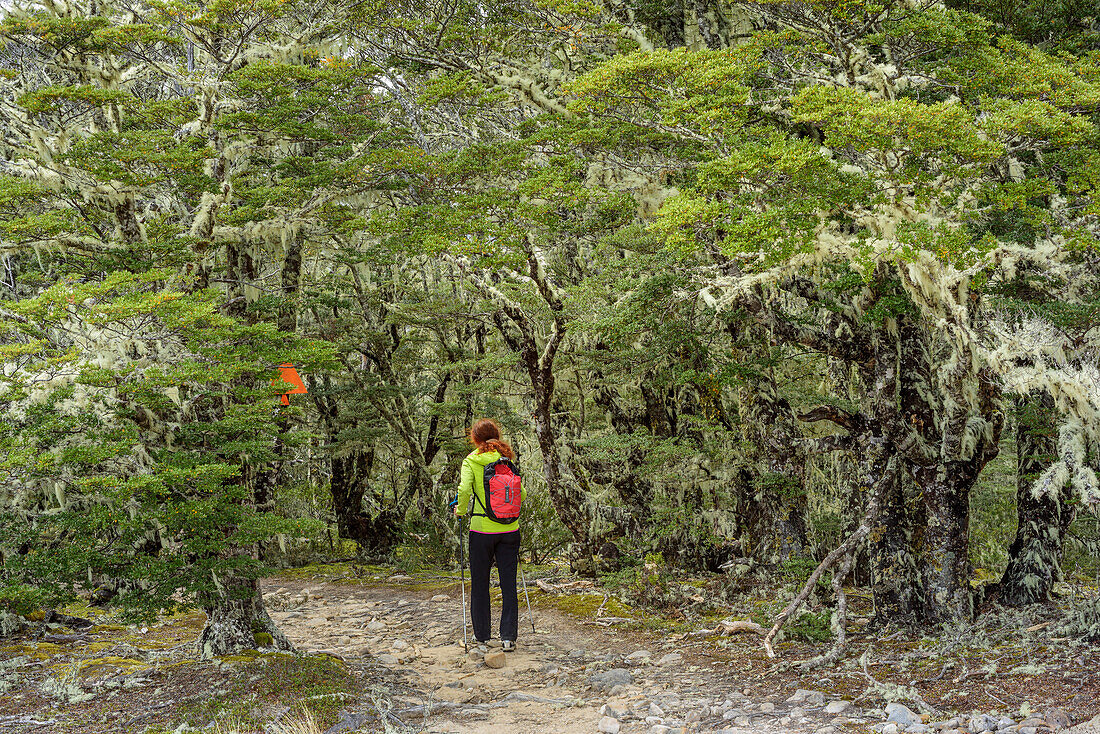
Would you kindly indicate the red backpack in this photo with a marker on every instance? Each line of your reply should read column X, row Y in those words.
column 503, row 493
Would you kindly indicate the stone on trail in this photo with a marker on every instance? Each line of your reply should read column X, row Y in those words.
column 981, row 723
column 1004, row 723
column 496, row 659
column 837, row 707
column 388, row 660
column 350, row 722
column 609, row 725
column 901, row 715
column 1057, row 718
column 809, row 698
column 671, row 658
column 613, row 710
column 610, row 678
column 639, row 656
column 441, row 597
column 767, row 707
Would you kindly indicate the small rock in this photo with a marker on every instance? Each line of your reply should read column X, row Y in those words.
column 349, row 722
column 639, row 656
column 917, row 729
column 767, row 707
column 810, row 698
column 609, row 725
column 981, row 723
column 671, row 658
column 901, row 715
column 375, row 626
column 947, row 724
column 400, row 577
column 400, row 645
column 441, row 597
column 836, row 707
column 1057, row 718
column 608, row 679
column 742, row 721
column 497, row 659
column 1028, row 730
column 826, row 730
column 386, row 659
column 890, row 728
column 1004, row 723
column 797, row 712
column 613, row 711
column 655, row 710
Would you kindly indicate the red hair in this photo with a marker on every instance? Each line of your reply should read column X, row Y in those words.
column 485, row 435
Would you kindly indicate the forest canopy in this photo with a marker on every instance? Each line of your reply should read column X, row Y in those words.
column 755, row 286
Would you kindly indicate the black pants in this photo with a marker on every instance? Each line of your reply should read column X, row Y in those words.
column 484, row 549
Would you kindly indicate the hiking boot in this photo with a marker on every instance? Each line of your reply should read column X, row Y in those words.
column 508, row 645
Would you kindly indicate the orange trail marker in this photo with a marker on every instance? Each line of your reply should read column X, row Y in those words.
column 288, row 374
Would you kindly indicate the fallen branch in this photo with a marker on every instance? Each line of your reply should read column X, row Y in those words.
column 730, row 627
column 840, row 621
column 847, row 548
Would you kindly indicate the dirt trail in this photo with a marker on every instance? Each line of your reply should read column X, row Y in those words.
column 565, row 677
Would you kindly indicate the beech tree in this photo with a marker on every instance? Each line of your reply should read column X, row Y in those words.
column 846, row 200
column 690, row 253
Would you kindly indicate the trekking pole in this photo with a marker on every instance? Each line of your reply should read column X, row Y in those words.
column 530, row 615
column 462, row 565
column 462, row 571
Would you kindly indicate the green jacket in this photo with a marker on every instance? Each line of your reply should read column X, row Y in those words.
column 473, row 480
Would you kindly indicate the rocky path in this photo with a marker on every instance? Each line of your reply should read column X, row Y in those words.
column 565, row 677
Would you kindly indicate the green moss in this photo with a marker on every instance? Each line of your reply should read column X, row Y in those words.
column 101, row 667
column 263, row 639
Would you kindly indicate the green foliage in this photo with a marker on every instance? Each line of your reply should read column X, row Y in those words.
column 811, row 627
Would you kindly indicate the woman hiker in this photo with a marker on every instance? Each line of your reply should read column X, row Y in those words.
column 491, row 541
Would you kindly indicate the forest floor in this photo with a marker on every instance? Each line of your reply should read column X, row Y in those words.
column 385, row 653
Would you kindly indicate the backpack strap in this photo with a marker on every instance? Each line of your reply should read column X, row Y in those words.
column 478, row 500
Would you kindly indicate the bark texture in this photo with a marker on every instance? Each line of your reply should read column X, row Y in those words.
column 236, row 620
column 1034, row 558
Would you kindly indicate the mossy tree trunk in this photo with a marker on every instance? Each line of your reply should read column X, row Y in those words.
column 236, row 620
column 1034, row 558
column 895, row 587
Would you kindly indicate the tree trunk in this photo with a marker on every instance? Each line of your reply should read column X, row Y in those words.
column 894, row 584
column 776, row 511
column 236, row 620
column 944, row 565
column 569, row 501
column 1034, row 562
column 376, row 536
